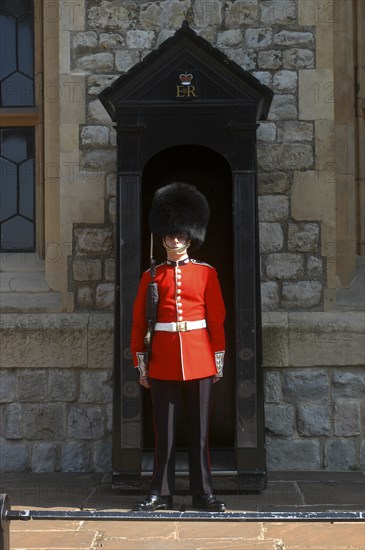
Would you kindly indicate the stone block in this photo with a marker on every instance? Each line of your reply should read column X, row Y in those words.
column 298, row 58
column 284, row 266
column 339, row 455
column 85, row 297
column 330, row 339
column 62, row 385
column 87, row 211
column 348, row 383
column 275, row 339
column 301, row 295
column 13, row 421
column 96, row 386
column 346, row 420
column 273, row 182
column 173, row 13
column 44, row 421
column 362, row 457
column 270, row 298
column 97, row 113
column 279, row 12
column 32, row 385
column 266, row 132
column 112, row 209
column 303, row 237
column 95, row 136
column 96, row 63
column 109, row 270
column 288, row 156
column 111, row 41
column 150, row 16
column 101, row 159
column 93, row 240
column 98, row 82
column 113, row 15
column 271, row 237
column 50, row 340
column 258, row 38
column 306, row 385
column 85, row 422
column 14, row 457
column 105, row 294
column 100, row 341
column 294, row 38
column 265, row 77
column 295, row 131
column 45, row 457
column 314, row 267
column 164, row 35
column 230, row 38
column 125, row 59
column 283, row 107
column 279, row 419
column 84, row 41
column 103, row 456
column 111, row 184
column 293, row 454
column 272, row 387
column 285, row 82
column 241, row 12
column 76, row 457
column 270, row 59
column 273, row 208
column 7, row 386
column 71, row 92
column 316, row 99
column 140, row 40
column 87, row 269
column 247, row 59
column 314, row 419
column 207, row 14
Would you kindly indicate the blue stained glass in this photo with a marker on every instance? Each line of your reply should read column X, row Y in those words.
column 8, row 189
column 7, row 45
column 17, row 91
column 17, row 234
column 25, row 41
column 14, row 145
column 26, row 189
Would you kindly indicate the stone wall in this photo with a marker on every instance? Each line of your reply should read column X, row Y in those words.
column 265, row 38
column 56, row 392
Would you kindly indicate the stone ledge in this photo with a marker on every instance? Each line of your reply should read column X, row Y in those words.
column 306, row 339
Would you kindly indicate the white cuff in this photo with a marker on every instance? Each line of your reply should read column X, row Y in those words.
column 219, row 361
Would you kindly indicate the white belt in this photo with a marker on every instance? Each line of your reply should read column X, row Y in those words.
column 181, row 326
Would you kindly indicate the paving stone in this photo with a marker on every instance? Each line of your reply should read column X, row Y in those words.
column 75, row 540
column 324, row 536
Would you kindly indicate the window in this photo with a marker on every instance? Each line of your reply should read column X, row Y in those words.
column 20, row 132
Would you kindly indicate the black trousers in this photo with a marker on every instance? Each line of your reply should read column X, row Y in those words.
column 167, row 396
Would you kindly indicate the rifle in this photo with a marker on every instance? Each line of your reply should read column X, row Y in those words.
column 151, row 305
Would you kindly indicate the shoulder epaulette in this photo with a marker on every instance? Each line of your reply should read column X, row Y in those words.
column 198, row 262
column 158, row 265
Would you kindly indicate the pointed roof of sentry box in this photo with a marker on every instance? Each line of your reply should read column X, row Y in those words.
column 216, row 77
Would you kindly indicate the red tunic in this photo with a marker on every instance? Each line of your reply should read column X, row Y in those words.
column 189, row 291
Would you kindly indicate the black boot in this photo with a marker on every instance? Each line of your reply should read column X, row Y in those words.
column 153, row 502
column 208, row 503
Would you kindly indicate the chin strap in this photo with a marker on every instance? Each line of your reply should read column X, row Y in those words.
column 180, row 250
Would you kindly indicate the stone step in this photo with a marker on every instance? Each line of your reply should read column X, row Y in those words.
column 30, row 302
column 23, row 282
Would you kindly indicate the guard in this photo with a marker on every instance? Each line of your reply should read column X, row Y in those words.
column 188, row 344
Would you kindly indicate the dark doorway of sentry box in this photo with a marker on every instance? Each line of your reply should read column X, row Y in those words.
column 212, row 175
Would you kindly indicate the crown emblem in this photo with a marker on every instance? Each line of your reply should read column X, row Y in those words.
column 186, row 79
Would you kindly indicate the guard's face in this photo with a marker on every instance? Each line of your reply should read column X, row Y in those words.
column 176, row 241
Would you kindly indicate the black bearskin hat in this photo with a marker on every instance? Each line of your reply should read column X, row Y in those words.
column 179, row 208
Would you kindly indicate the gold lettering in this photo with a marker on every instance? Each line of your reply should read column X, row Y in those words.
column 185, row 91
column 191, row 91
column 180, row 91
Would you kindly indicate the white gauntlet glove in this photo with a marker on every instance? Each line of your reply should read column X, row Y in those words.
column 219, row 361
column 142, row 365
